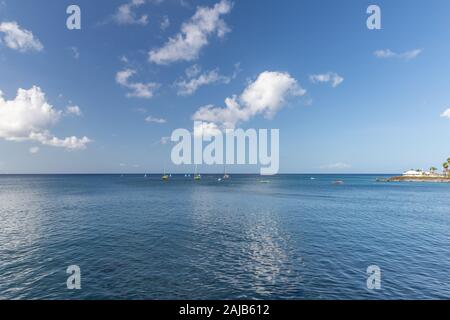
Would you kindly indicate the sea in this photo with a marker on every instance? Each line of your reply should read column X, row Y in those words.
column 247, row 237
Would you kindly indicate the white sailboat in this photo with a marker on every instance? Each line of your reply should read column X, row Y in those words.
column 225, row 175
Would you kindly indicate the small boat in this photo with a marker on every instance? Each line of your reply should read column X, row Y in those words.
column 225, row 175
column 145, row 176
column 338, row 182
column 220, row 179
column 197, row 176
column 165, row 176
column 312, row 178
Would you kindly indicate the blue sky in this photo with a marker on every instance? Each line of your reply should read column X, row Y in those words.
column 383, row 113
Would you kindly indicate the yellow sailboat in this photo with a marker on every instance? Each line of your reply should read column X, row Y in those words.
column 165, row 177
column 197, row 176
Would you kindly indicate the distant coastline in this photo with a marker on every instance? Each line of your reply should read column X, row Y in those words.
column 418, row 179
column 420, row 175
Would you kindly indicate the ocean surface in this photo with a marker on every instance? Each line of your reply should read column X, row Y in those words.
column 251, row 237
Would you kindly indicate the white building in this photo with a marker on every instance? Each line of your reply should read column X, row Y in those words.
column 414, row 173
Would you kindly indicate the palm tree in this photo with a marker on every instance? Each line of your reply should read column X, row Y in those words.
column 445, row 165
column 433, row 170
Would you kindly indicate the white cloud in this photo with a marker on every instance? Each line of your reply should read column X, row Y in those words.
column 138, row 89
column 71, row 143
column 206, row 129
column 34, row 150
column 29, row 116
column 336, row 166
column 191, row 85
column 446, row 114
column 266, row 95
column 388, row 53
column 75, row 52
column 194, row 35
column 331, row 77
column 27, row 113
column 73, row 110
column 19, row 39
column 165, row 23
column 185, row 3
column 140, row 110
column 124, row 59
column 164, row 140
column 193, row 71
column 151, row 119
column 126, row 13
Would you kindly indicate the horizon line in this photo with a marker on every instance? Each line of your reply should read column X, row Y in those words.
column 208, row 173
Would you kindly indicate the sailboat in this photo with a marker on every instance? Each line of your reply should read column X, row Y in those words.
column 225, row 175
column 196, row 175
column 165, row 177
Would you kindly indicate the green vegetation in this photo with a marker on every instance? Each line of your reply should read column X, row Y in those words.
column 431, row 176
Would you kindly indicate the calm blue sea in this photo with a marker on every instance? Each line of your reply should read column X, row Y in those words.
column 283, row 237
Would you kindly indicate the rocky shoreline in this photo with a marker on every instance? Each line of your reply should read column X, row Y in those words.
column 418, row 179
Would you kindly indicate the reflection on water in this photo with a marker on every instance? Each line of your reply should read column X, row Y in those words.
column 252, row 250
column 269, row 262
column 287, row 238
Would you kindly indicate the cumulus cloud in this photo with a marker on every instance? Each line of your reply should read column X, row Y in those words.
column 29, row 116
column 193, row 71
column 388, row 53
column 165, row 23
column 19, row 39
column 330, row 77
column 151, row 119
column 206, row 129
column 73, row 110
column 446, row 114
column 266, row 95
column 126, row 13
column 194, row 35
column 195, row 80
column 138, row 89
column 71, row 143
